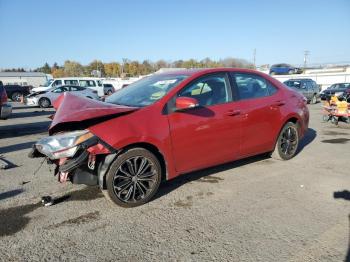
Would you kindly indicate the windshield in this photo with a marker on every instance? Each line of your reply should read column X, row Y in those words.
column 145, row 91
column 47, row 83
column 295, row 84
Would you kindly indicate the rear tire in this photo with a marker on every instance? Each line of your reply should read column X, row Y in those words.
column 313, row 99
column 287, row 142
column 134, row 178
column 16, row 97
column 44, row 102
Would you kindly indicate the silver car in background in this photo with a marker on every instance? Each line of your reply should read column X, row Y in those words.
column 307, row 87
column 45, row 99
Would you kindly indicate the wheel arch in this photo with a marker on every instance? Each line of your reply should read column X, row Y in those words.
column 153, row 149
column 292, row 118
column 44, row 97
column 145, row 145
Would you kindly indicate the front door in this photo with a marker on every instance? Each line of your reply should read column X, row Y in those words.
column 208, row 134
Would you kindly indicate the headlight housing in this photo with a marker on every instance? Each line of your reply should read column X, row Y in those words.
column 62, row 145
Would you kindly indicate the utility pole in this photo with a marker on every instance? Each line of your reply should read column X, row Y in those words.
column 254, row 58
column 306, row 54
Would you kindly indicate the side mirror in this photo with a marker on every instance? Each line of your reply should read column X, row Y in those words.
column 184, row 102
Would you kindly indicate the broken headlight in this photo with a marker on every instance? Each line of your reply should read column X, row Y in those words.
column 62, row 145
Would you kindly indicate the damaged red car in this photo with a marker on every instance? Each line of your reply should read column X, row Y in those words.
column 169, row 124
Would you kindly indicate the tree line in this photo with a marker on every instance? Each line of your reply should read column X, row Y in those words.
column 134, row 68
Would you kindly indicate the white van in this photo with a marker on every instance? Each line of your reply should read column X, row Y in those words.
column 90, row 82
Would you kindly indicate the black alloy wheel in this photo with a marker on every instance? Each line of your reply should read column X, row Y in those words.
column 133, row 178
column 287, row 142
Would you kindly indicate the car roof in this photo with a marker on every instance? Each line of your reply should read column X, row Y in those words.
column 201, row 71
column 300, row 79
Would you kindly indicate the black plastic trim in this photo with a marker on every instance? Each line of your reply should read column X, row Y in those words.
column 74, row 163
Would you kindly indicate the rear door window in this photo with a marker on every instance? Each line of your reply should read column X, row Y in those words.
column 250, row 86
column 76, row 88
column 61, row 89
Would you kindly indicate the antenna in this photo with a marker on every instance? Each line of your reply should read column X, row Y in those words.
column 306, row 54
column 254, row 58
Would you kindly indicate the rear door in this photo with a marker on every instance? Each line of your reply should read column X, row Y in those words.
column 208, row 134
column 260, row 104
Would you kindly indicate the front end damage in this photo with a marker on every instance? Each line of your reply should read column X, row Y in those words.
column 79, row 157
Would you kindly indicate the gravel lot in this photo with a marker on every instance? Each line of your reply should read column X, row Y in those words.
column 253, row 210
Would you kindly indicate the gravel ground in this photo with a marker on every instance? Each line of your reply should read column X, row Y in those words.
column 257, row 209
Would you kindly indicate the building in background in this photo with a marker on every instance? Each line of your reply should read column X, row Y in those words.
column 34, row 79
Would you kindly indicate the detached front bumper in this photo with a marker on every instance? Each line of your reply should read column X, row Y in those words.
column 83, row 167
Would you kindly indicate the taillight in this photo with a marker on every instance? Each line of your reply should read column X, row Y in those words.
column 3, row 97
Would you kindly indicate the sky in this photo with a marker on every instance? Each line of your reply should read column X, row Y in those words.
column 38, row 31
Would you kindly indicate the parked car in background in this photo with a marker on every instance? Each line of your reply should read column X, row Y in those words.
column 45, row 99
column 307, row 87
column 108, row 89
column 336, row 89
column 119, row 83
column 90, row 82
column 284, row 69
column 5, row 107
column 169, row 124
column 15, row 92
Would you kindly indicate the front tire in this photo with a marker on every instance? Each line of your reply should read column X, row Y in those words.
column 287, row 142
column 44, row 102
column 134, row 178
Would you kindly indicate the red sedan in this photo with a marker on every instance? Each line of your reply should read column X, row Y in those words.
column 170, row 124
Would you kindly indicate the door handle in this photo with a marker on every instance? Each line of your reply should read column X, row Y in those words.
column 278, row 103
column 233, row 112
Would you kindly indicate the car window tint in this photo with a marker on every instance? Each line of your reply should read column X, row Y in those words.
column 87, row 83
column 71, row 82
column 60, row 89
column 208, row 90
column 57, row 83
column 251, row 86
column 75, row 88
column 271, row 89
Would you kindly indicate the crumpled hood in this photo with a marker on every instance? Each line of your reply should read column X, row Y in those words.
column 78, row 111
